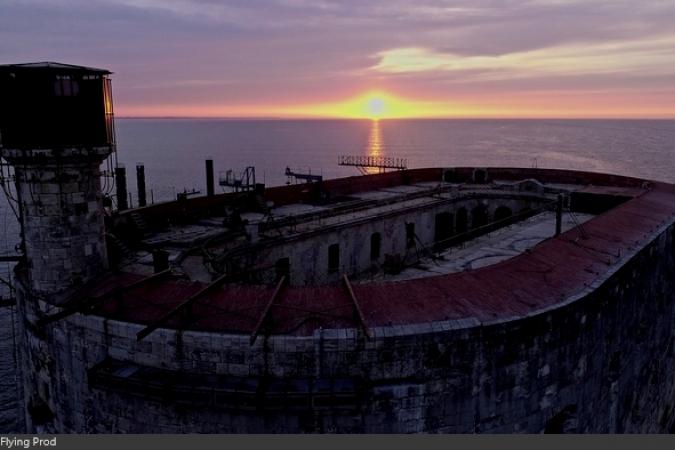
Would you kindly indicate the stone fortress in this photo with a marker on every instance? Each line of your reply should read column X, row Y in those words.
column 455, row 300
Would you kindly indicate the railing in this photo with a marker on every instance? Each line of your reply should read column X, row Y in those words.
column 378, row 162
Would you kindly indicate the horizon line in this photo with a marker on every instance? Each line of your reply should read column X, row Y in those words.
column 271, row 118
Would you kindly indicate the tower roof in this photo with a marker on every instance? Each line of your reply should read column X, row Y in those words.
column 52, row 66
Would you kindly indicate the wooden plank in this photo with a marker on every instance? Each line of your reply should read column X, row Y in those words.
column 268, row 306
column 166, row 317
column 357, row 307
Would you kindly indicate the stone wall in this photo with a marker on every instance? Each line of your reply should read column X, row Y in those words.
column 600, row 362
column 60, row 201
column 308, row 253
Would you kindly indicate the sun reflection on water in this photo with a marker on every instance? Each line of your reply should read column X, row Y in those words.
column 375, row 143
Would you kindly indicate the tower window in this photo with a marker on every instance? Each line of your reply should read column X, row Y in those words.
column 282, row 268
column 65, row 86
column 333, row 258
column 462, row 220
column 375, row 244
column 443, row 227
column 410, row 234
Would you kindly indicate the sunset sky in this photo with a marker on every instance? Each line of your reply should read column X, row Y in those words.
column 389, row 58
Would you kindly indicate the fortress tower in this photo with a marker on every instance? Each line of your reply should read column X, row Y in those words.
column 56, row 128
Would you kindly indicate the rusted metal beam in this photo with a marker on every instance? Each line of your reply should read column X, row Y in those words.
column 268, row 306
column 558, row 214
column 166, row 317
column 359, row 313
column 90, row 302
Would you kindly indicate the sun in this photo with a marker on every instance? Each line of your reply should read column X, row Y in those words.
column 376, row 107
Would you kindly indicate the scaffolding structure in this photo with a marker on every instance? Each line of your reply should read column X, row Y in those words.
column 365, row 162
column 307, row 177
column 244, row 182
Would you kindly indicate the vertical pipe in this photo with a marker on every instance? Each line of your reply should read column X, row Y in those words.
column 558, row 215
column 210, row 190
column 140, row 183
column 121, row 182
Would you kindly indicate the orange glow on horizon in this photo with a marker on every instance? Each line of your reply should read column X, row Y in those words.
column 378, row 104
column 375, row 104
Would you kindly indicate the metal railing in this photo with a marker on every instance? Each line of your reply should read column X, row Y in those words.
column 377, row 162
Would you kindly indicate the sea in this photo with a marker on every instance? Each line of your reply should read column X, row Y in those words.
column 173, row 153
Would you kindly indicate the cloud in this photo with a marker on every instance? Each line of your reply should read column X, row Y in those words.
column 653, row 55
column 239, row 52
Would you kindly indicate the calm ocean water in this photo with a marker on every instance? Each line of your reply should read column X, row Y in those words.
column 173, row 152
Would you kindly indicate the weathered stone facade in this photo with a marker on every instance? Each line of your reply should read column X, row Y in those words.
column 60, row 202
column 601, row 361
column 308, row 256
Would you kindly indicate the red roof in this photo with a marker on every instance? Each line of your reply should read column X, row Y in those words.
column 551, row 272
